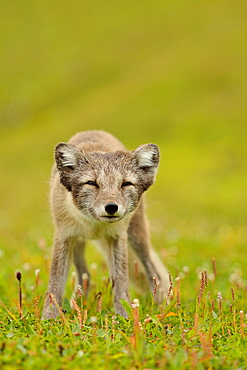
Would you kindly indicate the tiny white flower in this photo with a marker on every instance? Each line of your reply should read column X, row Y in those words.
column 85, row 276
column 26, row 266
column 94, row 266
column 135, row 303
column 186, row 269
column 93, row 319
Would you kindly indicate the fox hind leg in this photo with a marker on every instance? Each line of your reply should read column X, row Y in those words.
column 138, row 235
column 82, row 272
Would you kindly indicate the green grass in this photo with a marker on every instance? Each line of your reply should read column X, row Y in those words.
column 201, row 328
column 168, row 72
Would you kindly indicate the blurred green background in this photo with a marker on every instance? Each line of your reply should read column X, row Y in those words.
column 168, row 72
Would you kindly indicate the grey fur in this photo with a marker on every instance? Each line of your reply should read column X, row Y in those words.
column 92, row 170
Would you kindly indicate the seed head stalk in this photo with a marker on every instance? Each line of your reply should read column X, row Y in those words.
column 79, row 295
column 61, row 313
column 170, row 290
column 178, row 294
column 203, row 286
column 37, row 279
column 220, row 309
column 214, row 268
column 241, row 314
column 155, row 286
column 85, row 285
column 137, row 340
column 135, row 312
column 19, row 277
column 79, row 314
column 233, row 309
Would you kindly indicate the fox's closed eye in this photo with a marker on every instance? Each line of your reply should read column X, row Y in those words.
column 92, row 183
column 127, row 183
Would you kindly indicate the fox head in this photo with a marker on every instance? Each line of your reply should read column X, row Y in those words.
column 106, row 186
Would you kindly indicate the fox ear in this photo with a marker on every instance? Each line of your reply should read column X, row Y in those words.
column 67, row 158
column 67, row 155
column 147, row 157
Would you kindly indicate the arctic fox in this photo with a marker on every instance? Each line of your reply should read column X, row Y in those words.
column 97, row 191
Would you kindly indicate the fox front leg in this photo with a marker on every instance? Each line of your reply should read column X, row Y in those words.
column 60, row 264
column 118, row 263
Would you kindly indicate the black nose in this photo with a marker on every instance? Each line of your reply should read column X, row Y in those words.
column 111, row 208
